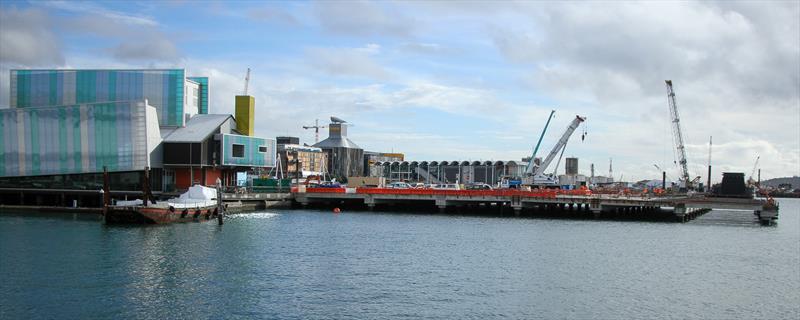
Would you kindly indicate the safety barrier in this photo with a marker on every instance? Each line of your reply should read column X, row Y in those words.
column 463, row 193
column 325, row 190
column 539, row 193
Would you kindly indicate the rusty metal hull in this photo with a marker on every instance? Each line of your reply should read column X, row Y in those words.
column 157, row 214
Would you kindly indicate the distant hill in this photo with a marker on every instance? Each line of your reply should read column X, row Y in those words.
column 794, row 181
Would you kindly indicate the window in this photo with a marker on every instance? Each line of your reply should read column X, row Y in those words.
column 238, row 151
column 262, row 149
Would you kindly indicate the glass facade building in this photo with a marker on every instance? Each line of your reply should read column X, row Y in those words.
column 77, row 138
column 163, row 89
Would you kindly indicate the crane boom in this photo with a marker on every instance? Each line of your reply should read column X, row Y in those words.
column 529, row 169
column 316, row 128
column 677, row 133
column 755, row 165
column 560, row 145
column 246, row 81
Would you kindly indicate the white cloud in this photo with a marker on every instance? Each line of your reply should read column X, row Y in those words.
column 126, row 37
column 363, row 18
column 27, row 40
column 157, row 48
column 425, row 48
column 348, row 61
column 94, row 10
column 272, row 14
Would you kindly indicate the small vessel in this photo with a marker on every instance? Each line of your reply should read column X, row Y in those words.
column 199, row 203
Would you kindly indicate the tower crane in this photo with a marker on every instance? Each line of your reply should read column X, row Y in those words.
column 316, row 128
column 678, row 136
column 538, row 177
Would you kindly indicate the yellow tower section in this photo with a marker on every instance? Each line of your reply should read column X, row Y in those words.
column 246, row 115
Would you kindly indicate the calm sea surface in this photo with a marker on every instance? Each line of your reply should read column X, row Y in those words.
column 314, row 264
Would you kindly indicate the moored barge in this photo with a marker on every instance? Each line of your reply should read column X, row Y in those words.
column 199, row 203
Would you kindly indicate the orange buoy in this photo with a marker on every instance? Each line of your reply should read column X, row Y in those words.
column 336, row 210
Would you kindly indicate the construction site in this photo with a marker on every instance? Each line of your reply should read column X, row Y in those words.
column 529, row 185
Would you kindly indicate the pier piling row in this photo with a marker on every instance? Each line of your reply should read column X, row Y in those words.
column 681, row 209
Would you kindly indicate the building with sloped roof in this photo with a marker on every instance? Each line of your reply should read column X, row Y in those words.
column 344, row 157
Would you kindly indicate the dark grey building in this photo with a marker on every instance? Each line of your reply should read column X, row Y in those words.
column 345, row 158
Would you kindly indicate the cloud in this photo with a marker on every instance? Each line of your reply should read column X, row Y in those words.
column 425, row 48
column 93, row 10
column 155, row 49
column 695, row 43
column 362, row 18
column 27, row 40
column 126, row 37
column 272, row 14
column 347, row 61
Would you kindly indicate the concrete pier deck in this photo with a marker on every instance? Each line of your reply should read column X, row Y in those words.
column 682, row 208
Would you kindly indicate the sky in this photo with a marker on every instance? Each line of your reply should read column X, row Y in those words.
column 474, row 80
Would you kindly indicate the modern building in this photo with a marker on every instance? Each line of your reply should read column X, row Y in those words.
column 175, row 96
column 345, row 158
column 64, row 127
column 55, row 147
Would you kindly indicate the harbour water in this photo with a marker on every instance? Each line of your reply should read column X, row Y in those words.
column 299, row 264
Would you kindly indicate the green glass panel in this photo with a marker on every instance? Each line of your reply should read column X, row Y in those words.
column 62, row 139
column 113, row 147
column 76, row 138
column 34, row 127
column 2, row 145
column 53, row 93
column 112, row 86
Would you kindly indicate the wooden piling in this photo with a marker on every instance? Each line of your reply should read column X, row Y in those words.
column 220, row 208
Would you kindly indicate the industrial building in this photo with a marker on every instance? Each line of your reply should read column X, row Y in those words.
column 64, row 126
column 344, row 158
column 436, row 172
column 371, row 158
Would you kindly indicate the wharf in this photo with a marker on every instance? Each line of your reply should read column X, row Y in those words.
column 242, row 202
column 681, row 207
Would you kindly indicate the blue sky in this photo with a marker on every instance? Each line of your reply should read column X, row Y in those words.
column 464, row 80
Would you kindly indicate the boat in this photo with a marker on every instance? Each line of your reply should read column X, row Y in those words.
column 197, row 204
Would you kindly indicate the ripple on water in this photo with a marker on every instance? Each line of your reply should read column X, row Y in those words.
column 301, row 264
column 253, row 215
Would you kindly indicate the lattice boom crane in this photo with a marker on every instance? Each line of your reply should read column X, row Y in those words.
column 677, row 134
